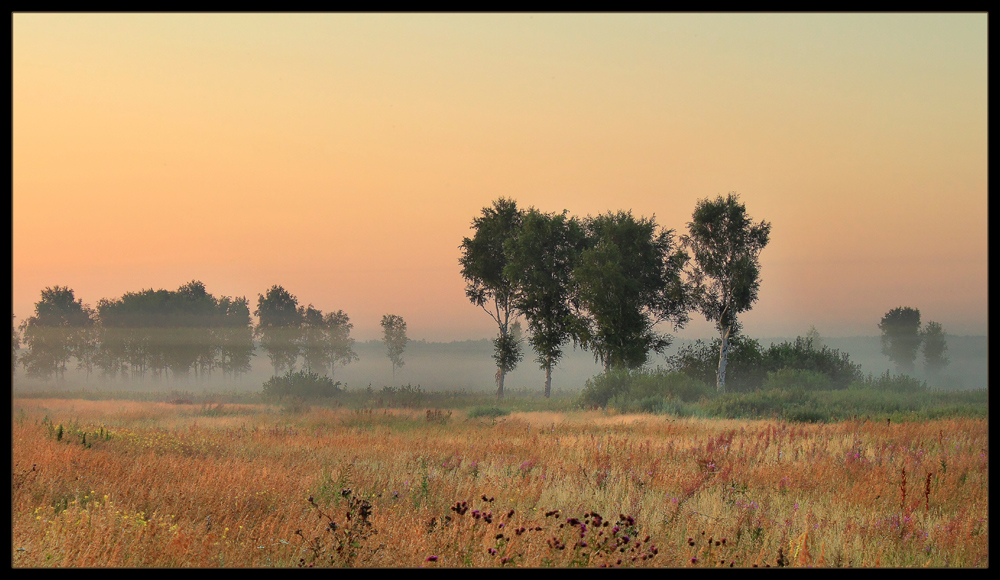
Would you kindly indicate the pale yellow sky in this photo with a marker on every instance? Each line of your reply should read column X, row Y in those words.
column 345, row 156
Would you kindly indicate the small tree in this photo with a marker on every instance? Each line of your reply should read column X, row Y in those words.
column 901, row 337
column 394, row 337
column 725, row 272
column 340, row 343
column 935, row 350
column 815, row 340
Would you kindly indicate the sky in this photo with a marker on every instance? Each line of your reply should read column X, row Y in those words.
column 344, row 156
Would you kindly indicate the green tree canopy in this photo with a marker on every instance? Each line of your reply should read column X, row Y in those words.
column 339, row 340
column 901, row 337
column 935, row 349
column 628, row 281
column 725, row 267
column 179, row 330
column 540, row 262
column 279, row 327
column 53, row 334
column 488, row 286
column 394, row 337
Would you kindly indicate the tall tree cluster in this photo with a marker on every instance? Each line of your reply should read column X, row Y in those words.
column 288, row 331
column 604, row 282
column 902, row 338
column 159, row 333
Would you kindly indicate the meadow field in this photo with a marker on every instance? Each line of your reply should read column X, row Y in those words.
column 125, row 483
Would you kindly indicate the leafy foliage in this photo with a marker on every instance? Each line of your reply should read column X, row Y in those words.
column 892, row 384
column 802, row 355
column 725, row 269
column 627, row 385
column 540, row 261
column 488, row 285
column 700, row 360
column 394, row 337
column 789, row 379
column 749, row 363
column 159, row 330
column 901, row 337
column 60, row 329
column 628, row 282
column 935, row 349
column 279, row 327
column 301, row 384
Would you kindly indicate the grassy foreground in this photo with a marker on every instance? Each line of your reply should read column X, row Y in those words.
column 144, row 483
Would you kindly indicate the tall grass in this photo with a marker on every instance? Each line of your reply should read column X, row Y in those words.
column 169, row 485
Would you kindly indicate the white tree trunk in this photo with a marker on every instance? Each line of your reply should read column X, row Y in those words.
column 720, row 375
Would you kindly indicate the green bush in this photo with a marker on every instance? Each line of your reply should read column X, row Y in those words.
column 625, row 389
column 891, row 384
column 745, row 370
column 492, row 412
column 801, row 355
column 748, row 365
column 301, row 384
column 788, row 379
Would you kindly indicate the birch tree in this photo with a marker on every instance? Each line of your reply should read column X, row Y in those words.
column 725, row 268
column 488, row 286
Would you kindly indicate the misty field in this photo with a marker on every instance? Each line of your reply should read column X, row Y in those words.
column 151, row 484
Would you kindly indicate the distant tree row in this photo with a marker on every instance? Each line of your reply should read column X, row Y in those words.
column 288, row 331
column 150, row 333
column 606, row 282
column 902, row 338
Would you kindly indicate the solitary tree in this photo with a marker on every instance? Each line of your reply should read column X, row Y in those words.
column 815, row 341
column 488, row 285
column 540, row 261
column 725, row 270
column 279, row 325
column 394, row 337
column 935, row 350
column 628, row 281
column 901, row 337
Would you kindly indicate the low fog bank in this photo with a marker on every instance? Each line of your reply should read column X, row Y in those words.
column 468, row 366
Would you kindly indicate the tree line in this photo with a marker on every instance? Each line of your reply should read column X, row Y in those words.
column 605, row 282
column 155, row 332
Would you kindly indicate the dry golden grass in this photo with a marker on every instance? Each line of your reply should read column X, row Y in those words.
column 159, row 484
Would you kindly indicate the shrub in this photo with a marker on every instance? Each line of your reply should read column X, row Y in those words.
column 404, row 396
column 801, row 355
column 301, row 384
column 600, row 389
column 745, row 371
column 748, row 364
column 788, row 379
column 492, row 412
column 892, row 384
column 624, row 389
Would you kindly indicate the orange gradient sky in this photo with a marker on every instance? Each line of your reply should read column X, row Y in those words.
column 345, row 156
